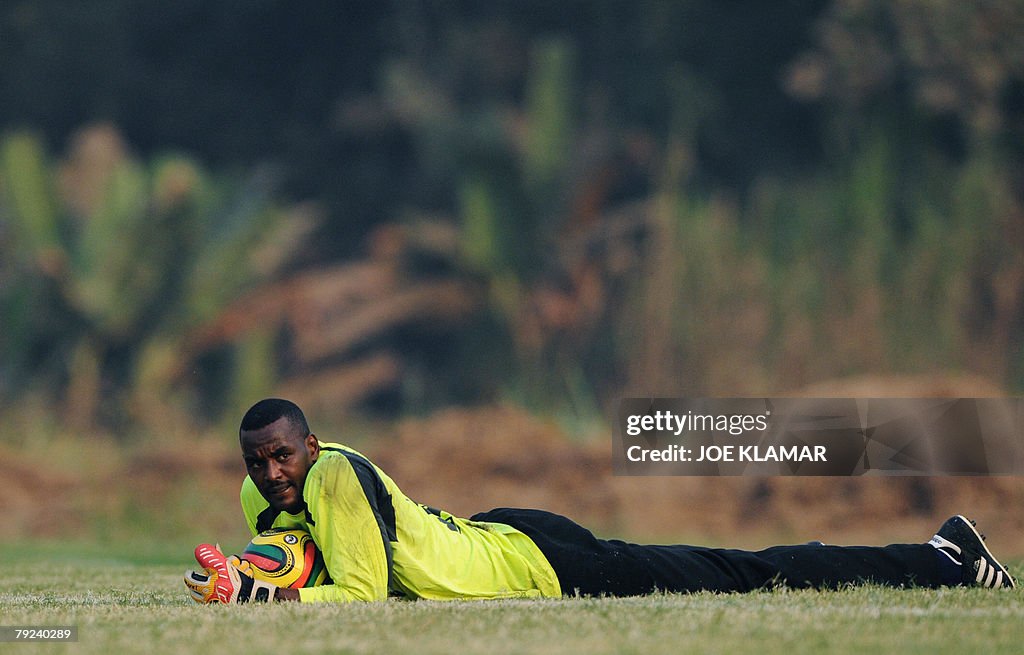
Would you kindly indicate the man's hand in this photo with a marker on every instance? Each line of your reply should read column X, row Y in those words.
column 200, row 585
column 225, row 579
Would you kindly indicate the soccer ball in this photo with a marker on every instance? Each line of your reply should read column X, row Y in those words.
column 286, row 558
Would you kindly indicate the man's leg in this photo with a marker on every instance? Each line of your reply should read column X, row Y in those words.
column 590, row 566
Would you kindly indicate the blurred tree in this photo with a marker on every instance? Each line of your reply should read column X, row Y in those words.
column 957, row 66
column 923, row 96
column 787, row 170
column 110, row 263
column 312, row 89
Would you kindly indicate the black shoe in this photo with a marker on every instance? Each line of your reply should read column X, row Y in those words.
column 961, row 542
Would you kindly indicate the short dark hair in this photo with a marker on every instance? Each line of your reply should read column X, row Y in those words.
column 269, row 410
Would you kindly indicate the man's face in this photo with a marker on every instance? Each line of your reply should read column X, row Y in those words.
column 278, row 458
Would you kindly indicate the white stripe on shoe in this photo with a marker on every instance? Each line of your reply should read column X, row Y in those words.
column 941, row 544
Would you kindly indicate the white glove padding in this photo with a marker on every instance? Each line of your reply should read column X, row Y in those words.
column 200, row 585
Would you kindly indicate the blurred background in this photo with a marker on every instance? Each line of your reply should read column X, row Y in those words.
column 456, row 233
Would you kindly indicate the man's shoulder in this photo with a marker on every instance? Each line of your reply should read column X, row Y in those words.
column 248, row 487
column 335, row 458
column 341, row 466
column 334, row 454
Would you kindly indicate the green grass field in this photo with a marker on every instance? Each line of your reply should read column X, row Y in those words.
column 135, row 603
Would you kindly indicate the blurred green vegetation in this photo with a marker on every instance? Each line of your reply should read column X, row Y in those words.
column 555, row 203
column 111, row 264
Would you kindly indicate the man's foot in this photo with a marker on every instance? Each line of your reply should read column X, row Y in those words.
column 961, row 542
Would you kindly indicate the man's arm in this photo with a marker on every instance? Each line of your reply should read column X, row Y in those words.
column 285, row 594
column 347, row 527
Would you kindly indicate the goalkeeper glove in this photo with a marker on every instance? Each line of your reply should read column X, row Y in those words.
column 225, row 579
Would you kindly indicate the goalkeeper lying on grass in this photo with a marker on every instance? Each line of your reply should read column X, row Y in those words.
column 376, row 542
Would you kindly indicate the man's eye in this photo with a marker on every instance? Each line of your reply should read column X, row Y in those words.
column 253, row 465
column 282, row 457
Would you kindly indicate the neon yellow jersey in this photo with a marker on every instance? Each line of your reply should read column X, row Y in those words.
column 376, row 542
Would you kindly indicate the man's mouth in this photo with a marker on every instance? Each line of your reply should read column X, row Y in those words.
column 278, row 490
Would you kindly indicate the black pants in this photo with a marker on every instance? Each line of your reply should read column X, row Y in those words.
column 589, row 566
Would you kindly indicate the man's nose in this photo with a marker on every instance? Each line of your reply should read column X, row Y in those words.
column 274, row 470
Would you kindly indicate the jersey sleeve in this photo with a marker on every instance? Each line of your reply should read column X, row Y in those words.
column 347, row 526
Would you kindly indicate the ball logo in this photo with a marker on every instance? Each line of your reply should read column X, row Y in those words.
column 286, row 558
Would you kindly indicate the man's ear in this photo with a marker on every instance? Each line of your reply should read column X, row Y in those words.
column 312, row 447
